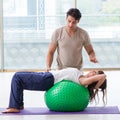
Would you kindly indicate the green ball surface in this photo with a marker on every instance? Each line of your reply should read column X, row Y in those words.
column 67, row 96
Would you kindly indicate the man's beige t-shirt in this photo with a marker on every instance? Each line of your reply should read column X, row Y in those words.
column 69, row 49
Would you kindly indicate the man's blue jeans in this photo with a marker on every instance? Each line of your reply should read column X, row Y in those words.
column 39, row 81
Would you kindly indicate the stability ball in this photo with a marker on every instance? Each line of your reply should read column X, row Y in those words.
column 67, row 96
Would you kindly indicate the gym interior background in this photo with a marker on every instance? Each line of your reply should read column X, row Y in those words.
column 26, row 27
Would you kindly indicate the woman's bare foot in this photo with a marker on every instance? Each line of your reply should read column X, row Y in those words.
column 11, row 110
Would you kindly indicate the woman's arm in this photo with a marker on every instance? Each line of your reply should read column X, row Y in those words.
column 99, row 78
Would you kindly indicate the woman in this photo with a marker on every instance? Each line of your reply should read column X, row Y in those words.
column 42, row 81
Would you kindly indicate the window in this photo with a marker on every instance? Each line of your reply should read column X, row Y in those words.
column 27, row 25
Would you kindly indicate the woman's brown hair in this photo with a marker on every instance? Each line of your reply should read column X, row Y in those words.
column 93, row 92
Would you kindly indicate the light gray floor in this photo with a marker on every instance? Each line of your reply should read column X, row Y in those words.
column 36, row 99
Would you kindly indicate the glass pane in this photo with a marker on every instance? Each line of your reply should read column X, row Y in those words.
column 28, row 25
column 1, row 50
column 101, row 19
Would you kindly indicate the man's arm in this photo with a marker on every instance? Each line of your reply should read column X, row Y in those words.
column 50, row 55
column 91, row 53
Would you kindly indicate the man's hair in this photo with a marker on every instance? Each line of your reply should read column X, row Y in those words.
column 74, row 12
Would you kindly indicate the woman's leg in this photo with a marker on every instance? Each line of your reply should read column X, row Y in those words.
column 29, row 81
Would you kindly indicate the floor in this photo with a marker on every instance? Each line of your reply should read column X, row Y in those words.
column 113, row 99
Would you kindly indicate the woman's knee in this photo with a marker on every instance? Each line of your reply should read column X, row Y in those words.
column 16, row 76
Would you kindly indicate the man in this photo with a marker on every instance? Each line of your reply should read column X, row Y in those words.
column 69, row 41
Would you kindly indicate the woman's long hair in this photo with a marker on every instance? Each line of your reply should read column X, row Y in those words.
column 93, row 92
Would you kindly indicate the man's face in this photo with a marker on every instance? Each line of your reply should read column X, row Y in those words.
column 71, row 22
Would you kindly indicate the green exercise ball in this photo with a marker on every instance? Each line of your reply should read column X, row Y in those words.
column 67, row 96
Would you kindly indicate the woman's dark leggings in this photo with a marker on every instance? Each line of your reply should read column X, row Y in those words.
column 40, row 81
